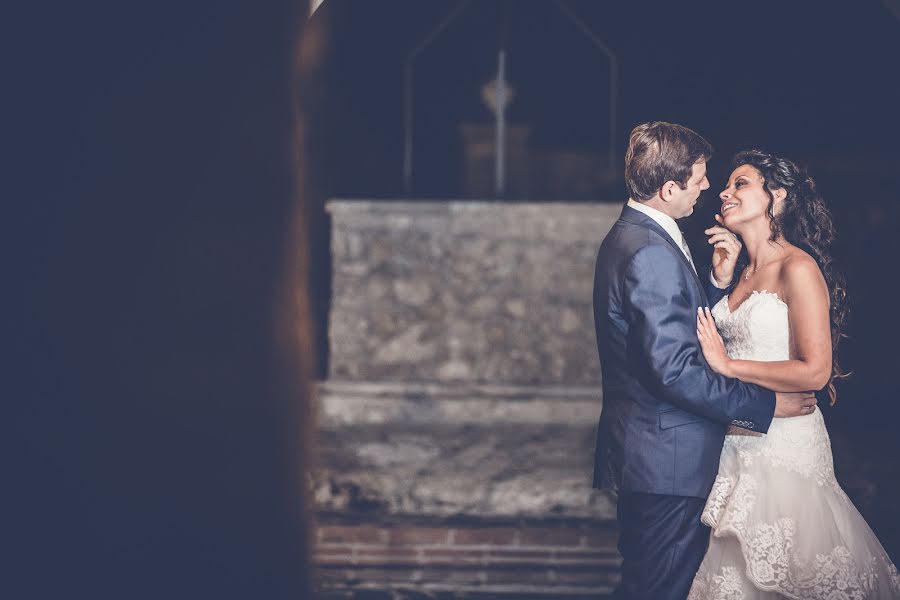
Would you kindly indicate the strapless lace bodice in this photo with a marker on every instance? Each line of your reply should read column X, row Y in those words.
column 757, row 329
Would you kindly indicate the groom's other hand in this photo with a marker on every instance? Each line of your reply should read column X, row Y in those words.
column 726, row 249
column 794, row 404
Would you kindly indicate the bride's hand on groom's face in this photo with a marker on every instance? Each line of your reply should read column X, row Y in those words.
column 711, row 342
column 726, row 248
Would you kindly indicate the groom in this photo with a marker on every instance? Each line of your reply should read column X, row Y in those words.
column 665, row 412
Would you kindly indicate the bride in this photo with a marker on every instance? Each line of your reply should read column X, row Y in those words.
column 781, row 524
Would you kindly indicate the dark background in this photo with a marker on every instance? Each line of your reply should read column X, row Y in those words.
column 156, row 413
column 157, row 317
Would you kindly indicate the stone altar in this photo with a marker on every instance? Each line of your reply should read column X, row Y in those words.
column 463, row 384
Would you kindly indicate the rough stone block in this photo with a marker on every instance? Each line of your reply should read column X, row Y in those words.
column 465, row 291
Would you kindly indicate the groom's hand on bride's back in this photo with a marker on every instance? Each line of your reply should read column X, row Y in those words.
column 794, row 404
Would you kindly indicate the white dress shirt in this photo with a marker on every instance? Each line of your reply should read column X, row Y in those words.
column 668, row 224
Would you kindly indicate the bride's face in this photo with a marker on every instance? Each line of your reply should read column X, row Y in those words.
column 744, row 199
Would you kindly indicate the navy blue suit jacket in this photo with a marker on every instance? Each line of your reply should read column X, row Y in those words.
column 665, row 412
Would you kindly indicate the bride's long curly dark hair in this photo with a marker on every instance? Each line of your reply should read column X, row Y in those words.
column 805, row 222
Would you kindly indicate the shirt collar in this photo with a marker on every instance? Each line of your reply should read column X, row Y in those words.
column 664, row 220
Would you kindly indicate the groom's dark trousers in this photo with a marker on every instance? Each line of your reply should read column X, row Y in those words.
column 665, row 412
column 662, row 543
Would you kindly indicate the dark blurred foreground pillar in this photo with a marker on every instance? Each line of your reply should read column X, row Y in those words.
column 160, row 416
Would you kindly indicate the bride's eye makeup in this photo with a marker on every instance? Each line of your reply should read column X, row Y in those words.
column 739, row 183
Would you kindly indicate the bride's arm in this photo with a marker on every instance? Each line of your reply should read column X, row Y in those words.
column 806, row 295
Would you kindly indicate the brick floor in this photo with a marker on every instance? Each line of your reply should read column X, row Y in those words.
column 465, row 560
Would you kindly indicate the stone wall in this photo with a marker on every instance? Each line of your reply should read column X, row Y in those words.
column 442, row 451
column 464, row 382
column 465, row 291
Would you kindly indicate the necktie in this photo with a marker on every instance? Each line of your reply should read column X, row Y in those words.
column 687, row 252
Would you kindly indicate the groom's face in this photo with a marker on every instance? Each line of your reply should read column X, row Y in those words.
column 682, row 201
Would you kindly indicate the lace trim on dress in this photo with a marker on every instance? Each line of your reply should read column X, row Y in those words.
column 724, row 586
column 771, row 561
column 835, row 578
column 773, row 295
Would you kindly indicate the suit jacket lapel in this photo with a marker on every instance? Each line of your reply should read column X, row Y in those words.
column 635, row 217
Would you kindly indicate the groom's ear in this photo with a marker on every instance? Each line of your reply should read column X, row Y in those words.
column 667, row 190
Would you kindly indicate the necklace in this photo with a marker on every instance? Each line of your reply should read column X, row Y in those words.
column 750, row 272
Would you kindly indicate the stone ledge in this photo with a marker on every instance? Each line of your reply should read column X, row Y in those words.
column 435, row 206
column 370, row 403
column 368, row 525
column 450, row 592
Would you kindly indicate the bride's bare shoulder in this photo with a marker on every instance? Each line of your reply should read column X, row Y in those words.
column 798, row 262
column 800, row 274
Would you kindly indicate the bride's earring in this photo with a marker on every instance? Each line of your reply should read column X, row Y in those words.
column 779, row 197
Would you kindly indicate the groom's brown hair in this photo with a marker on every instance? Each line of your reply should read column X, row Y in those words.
column 659, row 152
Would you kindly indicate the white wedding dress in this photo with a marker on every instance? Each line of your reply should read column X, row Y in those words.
column 782, row 527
